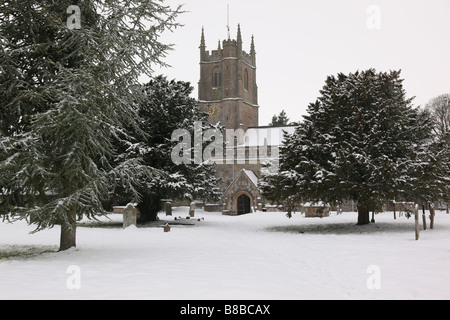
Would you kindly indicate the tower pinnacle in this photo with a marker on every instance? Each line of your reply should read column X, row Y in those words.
column 252, row 51
column 202, row 46
column 202, row 41
column 239, row 42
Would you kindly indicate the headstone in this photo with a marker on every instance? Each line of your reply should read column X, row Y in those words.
column 167, row 228
column 192, row 210
column 168, row 208
column 316, row 210
column 129, row 216
column 259, row 203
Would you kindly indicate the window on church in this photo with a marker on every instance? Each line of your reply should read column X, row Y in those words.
column 217, row 79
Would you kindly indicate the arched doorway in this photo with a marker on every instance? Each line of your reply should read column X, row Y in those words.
column 243, row 204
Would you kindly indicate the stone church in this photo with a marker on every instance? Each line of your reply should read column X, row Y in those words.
column 228, row 92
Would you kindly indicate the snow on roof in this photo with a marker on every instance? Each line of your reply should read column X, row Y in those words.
column 270, row 136
column 315, row 204
column 252, row 176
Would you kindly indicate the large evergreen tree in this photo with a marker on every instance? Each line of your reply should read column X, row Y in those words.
column 66, row 97
column 167, row 107
column 362, row 140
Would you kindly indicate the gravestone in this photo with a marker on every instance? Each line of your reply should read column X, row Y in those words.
column 316, row 210
column 167, row 228
column 129, row 216
column 168, row 208
column 192, row 210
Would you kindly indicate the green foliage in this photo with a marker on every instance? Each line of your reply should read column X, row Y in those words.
column 439, row 108
column 280, row 121
column 362, row 140
column 170, row 101
column 66, row 97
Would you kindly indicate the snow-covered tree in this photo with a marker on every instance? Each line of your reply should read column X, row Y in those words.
column 167, row 107
column 362, row 140
column 67, row 96
column 280, row 120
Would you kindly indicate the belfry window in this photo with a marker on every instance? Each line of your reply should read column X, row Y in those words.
column 217, row 78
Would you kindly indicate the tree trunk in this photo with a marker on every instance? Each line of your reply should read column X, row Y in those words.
column 363, row 214
column 424, row 218
column 68, row 231
column 432, row 214
column 416, row 222
column 149, row 206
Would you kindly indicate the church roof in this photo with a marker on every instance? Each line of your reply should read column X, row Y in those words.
column 252, row 176
column 248, row 174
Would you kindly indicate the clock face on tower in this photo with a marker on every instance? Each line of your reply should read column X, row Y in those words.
column 214, row 112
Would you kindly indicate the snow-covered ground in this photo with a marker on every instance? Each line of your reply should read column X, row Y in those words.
column 256, row 256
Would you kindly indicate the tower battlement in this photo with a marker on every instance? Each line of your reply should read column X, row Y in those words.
column 228, row 92
column 229, row 48
column 227, row 86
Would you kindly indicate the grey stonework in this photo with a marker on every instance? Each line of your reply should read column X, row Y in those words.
column 129, row 216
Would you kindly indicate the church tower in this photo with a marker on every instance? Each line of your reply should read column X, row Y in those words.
column 227, row 86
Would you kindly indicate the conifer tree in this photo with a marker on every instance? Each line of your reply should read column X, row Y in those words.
column 362, row 140
column 167, row 107
column 66, row 96
column 280, row 120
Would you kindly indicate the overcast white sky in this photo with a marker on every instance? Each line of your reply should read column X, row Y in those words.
column 300, row 43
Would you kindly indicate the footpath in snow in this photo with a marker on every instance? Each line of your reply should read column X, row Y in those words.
column 257, row 256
